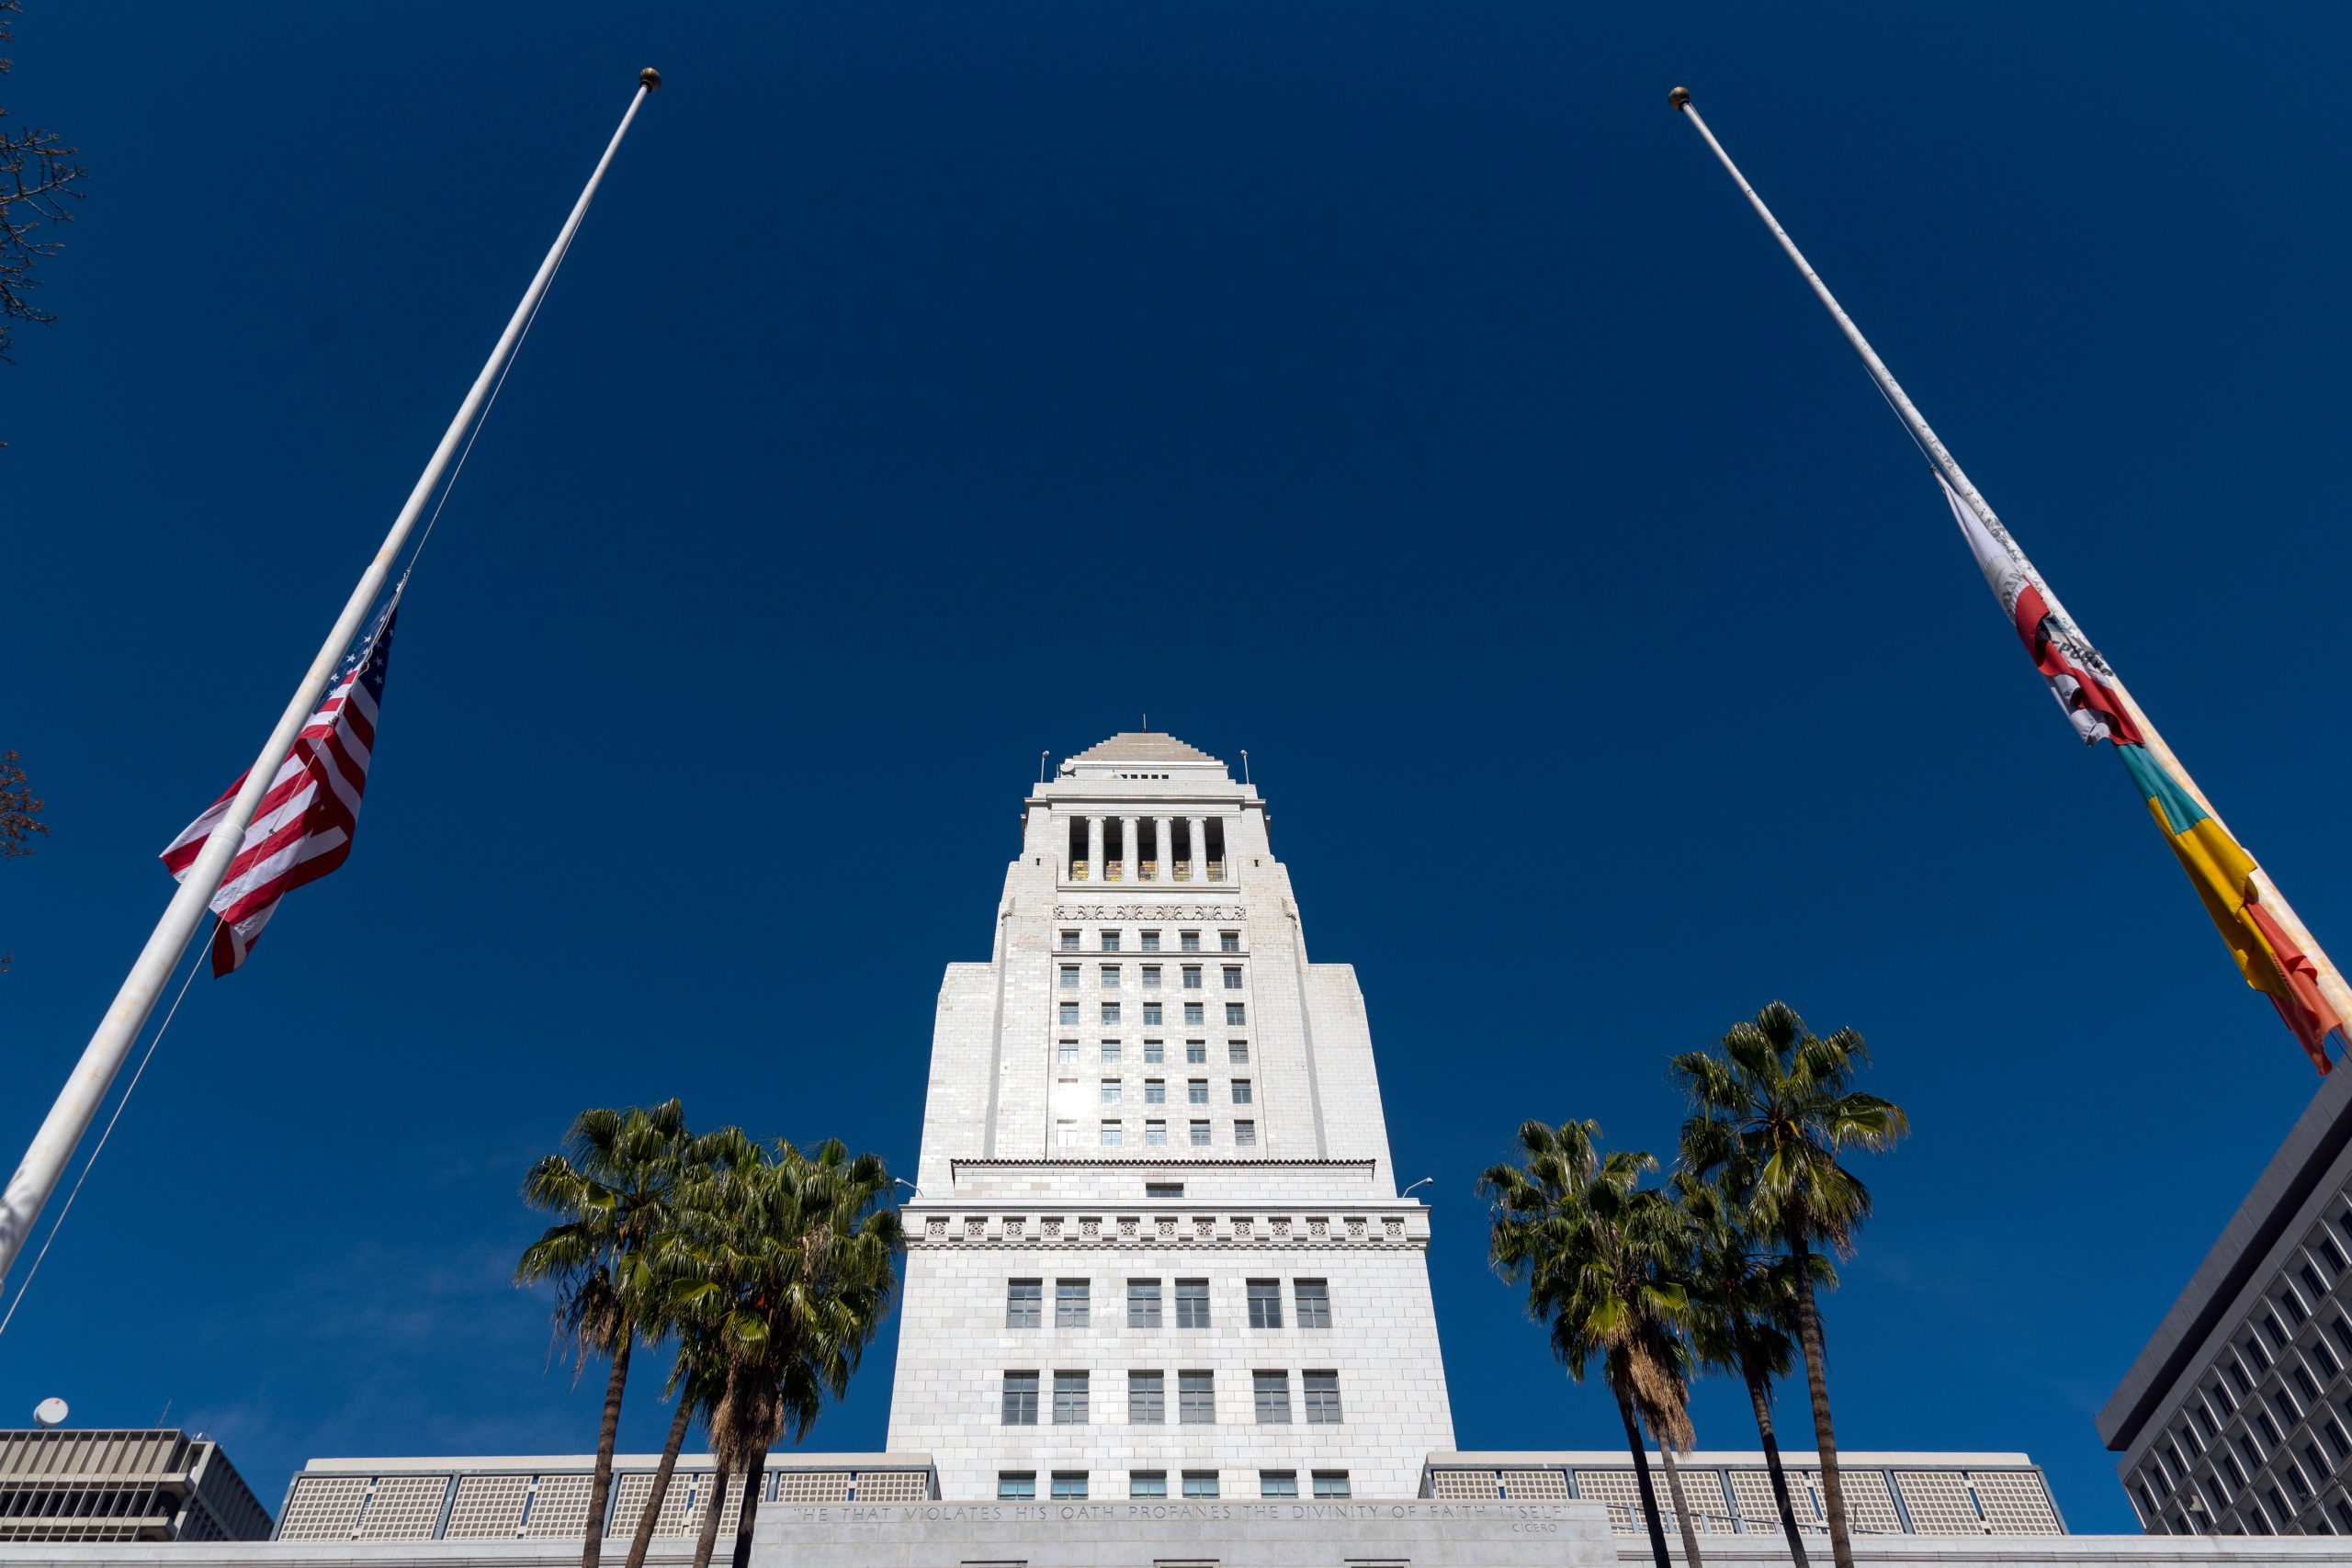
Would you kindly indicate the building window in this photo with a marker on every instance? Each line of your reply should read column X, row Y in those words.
column 1196, row 1053
column 1331, row 1484
column 1154, row 1052
column 1195, row 1397
column 1228, row 941
column 1114, row 1135
column 1278, row 1483
column 1238, row 1053
column 1066, row 1055
column 1245, row 1135
column 1020, row 1399
column 1232, row 978
column 1322, row 1398
column 1190, row 941
column 1072, row 1305
column 1147, row 1399
column 1110, row 1015
column 1314, row 1297
column 1110, row 977
column 1191, row 977
column 1199, row 1138
column 1016, row 1486
column 1069, row 941
column 1111, row 1091
column 1163, row 1190
column 1070, row 1400
column 1110, row 941
column 1193, row 1304
column 1069, row 1485
column 1066, row 1134
column 1143, row 1304
column 1236, row 1015
column 1155, row 1133
column 1069, row 1015
column 1152, row 1484
column 1070, row 977
column 1112, row 1050
column 1151, row 976
column 1265, row 1303
column 1023, row 1302
column 1241, row 1091
column 1271, row 1391
column 1151, row 941
column 1152, row 1017
column 1196, row 1091
column 1200, row 1483
column 1155, row 1092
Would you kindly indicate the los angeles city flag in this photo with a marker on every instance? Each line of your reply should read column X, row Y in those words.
column 2217, row 864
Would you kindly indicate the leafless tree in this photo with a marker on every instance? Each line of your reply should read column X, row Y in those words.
column 36, row 177
column 18, row 808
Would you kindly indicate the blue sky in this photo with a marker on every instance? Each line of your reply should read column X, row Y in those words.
column 1398, row 390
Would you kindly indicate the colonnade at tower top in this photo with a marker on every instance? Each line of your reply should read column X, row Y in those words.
column 1130, row 847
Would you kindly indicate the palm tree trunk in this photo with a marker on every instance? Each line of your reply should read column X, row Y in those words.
column 1759, row 1394
column 642, row 1542
column 1817, row 1377
column 1642, row 1472
column 608, row 1435
column 708, row 1539
column 1681, row 1503
column 755, row 1475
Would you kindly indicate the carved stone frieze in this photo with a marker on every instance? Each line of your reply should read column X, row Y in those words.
column 1150, row 912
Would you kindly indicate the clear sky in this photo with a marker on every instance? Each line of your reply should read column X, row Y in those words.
column 1398, row 390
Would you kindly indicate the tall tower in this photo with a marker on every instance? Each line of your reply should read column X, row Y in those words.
column 1157, row 1248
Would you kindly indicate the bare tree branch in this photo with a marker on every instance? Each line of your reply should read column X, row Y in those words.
column 37, row 176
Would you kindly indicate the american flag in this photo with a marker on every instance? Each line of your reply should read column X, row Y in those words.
column 303, row 827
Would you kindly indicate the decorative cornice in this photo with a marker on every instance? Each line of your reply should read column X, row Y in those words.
column 1150, row 912
column 1160, row 1231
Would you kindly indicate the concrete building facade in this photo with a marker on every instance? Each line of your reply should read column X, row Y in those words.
column 101, row 1485
column 2236, row 1416
column 1156, row 1249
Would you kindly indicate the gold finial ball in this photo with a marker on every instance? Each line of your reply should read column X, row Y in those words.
column 652, row 78
column 1679, row 98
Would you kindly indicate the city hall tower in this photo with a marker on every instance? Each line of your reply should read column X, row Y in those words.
column 1157, row 1247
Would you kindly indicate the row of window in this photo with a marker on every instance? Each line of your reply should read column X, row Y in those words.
column 1070, row 1485
column 1196, row 1091
column 1110, row 977
column 1071, row 1395
column 1237, row 1014
column 1024, row 1304
column 1155, row 1053
column 1186, row 941
column 1198, row 1135
column 2263, row 1404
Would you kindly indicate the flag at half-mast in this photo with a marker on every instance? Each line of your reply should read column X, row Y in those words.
column 2217, row 864
column 303, row 827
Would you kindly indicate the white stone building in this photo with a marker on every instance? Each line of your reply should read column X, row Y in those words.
column 1157, row 1246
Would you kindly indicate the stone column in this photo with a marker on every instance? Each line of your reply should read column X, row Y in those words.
column 1163, row 847
column 1199, row 849
column 1130, row 847
column 1094, row 848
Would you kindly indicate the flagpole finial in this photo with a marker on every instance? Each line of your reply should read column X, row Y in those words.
column 650, row 78
column 1679, row 99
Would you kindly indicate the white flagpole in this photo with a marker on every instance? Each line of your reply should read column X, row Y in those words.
column 2331, row 979
column 77, row 1103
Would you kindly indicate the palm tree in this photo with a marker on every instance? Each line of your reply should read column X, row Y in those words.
column 1741, row 1303
column 792, row 1260
column 691, row 1317
column 1774, row 1104
column 616, row 1186
column 1596, row 1253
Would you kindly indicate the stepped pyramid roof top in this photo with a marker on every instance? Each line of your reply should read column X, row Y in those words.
column 1142, row 746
